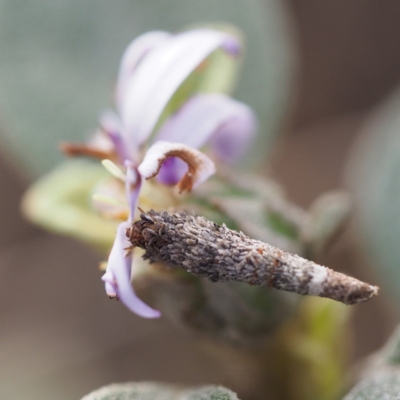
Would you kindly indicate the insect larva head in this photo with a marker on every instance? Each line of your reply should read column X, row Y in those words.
column 134, row 233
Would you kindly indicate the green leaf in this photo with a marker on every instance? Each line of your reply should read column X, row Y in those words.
column 210, row 393
column 380, row 374
column 384, row 386
column 61, row 202
column 59, row 60
column 327, row 216
column 256, row 206
column 134, row 391
column 391, row 351
column 156, row 391
column 374, row 178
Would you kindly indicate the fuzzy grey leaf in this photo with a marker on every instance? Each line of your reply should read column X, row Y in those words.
column 209, row 393
column 156, row 391
column 326, row 217
column 384, row 386
column 374, row 178
column 134, row 391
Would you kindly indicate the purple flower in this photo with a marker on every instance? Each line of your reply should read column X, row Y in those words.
column 152, row 69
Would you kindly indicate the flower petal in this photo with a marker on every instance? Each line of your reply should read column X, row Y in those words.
column 110, row 284
column 160, row 74
column 133, row 184
column 118, row 276
column 200, row 167
column 228, row 124
column 133, row 54
column 172, row 171
column 111, row 125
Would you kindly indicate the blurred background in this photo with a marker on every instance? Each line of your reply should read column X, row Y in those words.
column 323, row 78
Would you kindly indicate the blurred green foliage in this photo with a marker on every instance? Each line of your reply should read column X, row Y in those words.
column 69, row 209
column 59, row 60
column 313, row 349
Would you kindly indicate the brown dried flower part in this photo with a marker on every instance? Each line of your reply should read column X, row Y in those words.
column 87, row 150
column 200, row 167
column 206, row 249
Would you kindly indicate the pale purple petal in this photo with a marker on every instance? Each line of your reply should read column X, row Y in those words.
column 118, row 276
column 100, row 142
column 172, row 171
column 111, row 124
column 160, row 74
column 232, row 46
column 133, row 185
column 233, row 138
column 200, row 167
column 133, row 54
column 110, row 284
column 228, row 124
